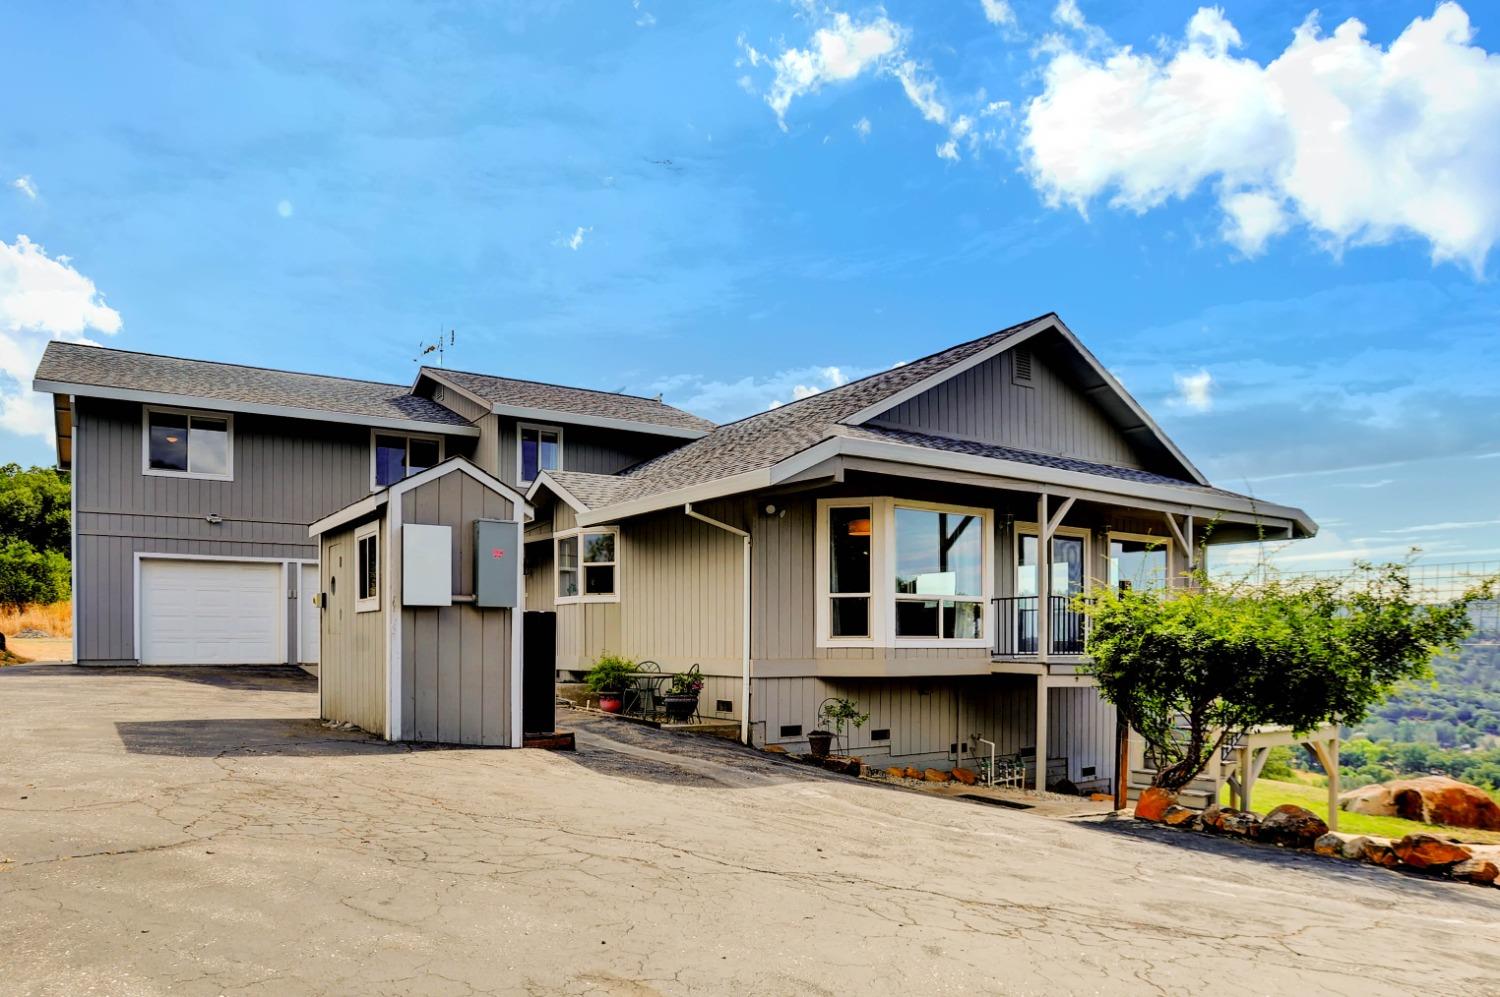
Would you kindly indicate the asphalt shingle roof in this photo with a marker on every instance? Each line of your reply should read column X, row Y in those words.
column 101, row 366
column 578, row 401
column 764, row 439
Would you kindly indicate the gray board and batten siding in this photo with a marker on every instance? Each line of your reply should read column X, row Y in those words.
column 456, row 674
column 287, row 474
column 456, row 667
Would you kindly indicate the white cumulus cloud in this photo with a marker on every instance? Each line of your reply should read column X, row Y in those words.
column 26, row 186
column 576, row 239
column 998, row 13
column 1194, row 391
column 41, row 298
column 725, row 401
column 843, row 49
column 862, row 127
column 1358, row 143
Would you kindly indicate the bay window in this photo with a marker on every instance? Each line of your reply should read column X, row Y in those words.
column 893, row 573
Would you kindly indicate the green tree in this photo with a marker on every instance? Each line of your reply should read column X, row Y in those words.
column 30, row 576
column 34, row 507
column 1194, row 667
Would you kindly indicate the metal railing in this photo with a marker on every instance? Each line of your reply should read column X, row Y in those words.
column 1016, row 629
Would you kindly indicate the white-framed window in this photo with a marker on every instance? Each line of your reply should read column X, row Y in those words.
column 899, row 573
column 1139, row 561
column 587, row 564
column 394, row 456
column 538, row 449
column 1069, row 567
column 187, row 443
column 367, row 568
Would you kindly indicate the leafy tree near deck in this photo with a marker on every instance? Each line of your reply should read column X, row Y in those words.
column 34, row 536
column 1195, row 667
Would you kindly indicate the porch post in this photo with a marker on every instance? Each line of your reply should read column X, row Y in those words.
column 1043, row 582
column 1040, row 782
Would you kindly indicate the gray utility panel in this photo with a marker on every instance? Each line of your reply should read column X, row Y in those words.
column 497, row 551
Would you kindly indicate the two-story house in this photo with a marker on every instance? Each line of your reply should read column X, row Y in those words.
column 194, row 483
column 912, row 541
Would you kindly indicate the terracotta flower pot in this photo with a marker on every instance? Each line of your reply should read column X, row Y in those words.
column 611, row 702
column 819, row 742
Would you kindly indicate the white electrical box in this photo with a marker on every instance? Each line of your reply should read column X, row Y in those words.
column 426, row 565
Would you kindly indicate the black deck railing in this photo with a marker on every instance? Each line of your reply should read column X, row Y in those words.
column 1016, row 630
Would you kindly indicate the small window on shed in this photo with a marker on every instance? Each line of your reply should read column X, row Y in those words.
column 367, row 582
column 1022, row 369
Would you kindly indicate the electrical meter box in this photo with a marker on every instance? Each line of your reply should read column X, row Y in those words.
column 497, row 556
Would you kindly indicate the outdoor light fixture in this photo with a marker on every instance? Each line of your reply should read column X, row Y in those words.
column 859, row 527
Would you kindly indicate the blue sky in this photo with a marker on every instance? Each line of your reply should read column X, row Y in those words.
column 1275, row 230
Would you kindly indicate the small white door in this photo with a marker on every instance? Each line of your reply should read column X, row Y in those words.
column 211, row 612
column 307, row 615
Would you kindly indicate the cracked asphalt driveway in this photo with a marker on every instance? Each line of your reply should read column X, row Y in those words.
column 195, row 832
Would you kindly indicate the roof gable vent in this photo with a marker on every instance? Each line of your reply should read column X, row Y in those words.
column 1022, row 366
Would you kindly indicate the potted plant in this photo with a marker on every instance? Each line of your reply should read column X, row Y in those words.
column 609, row 676
column 839, row 714
column 681, row 700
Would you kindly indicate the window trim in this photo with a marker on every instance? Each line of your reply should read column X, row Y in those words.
column 162, row 472
column 375, row 484
column 883, row 596
column 368, row 604
column 1164, row 542
column 543, row 427
column 1033, row 530
column 577, row 533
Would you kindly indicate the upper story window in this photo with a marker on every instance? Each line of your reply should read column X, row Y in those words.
column 587, row 565
column 189, row 444
column 540, row 450
column 893, row 573
column 398, row 456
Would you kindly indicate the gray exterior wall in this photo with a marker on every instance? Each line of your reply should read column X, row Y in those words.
column 680, row 602
column 1050, row 416
column 927, row 717
column 352, row 671
column 584, row 448
column 455, row 660
column 287, row 474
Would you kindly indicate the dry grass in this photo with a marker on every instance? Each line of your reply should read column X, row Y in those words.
column 56, row 619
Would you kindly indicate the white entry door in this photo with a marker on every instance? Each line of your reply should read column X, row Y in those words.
column 211, row 612
column 307, row 615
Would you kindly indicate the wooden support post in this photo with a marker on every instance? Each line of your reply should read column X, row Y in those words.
column 1041, row 733
column 1043, row 580
column 1328, row 756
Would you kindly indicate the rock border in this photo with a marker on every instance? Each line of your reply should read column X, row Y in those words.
column 1297, row 828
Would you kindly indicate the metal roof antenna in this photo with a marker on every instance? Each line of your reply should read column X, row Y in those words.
column 438, row 346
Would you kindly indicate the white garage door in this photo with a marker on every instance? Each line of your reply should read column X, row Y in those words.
column 211, row 613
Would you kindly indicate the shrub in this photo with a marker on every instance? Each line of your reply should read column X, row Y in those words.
column 29, row 576
column 610, row 673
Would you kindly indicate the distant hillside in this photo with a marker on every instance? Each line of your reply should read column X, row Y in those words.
column 1460, row 706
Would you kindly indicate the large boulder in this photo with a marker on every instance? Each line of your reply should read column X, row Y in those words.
column 1483, row 868
column 1378, row 851
column 1340, row 846
column 1154, row 802
column 1428, row 851
column 1432, row 799
column 1292, row 826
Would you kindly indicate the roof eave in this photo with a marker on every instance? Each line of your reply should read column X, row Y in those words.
column 42, row 385
column 1013, row 472
column 604, row 422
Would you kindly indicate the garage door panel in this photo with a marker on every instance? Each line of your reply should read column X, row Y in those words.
column 211, row 612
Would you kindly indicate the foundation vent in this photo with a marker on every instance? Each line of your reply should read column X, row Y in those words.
column 880, row 734
column 791, row 730
column 723, row 706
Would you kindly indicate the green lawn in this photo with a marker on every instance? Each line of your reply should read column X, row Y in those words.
column 1269, row 794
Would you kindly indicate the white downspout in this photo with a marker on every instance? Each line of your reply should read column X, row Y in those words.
column 745, row 622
